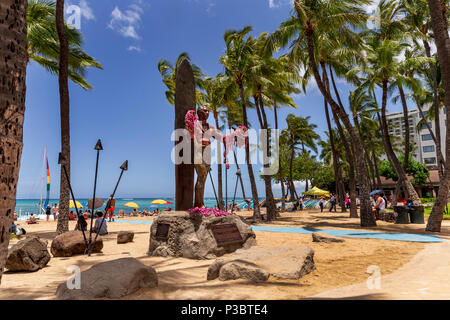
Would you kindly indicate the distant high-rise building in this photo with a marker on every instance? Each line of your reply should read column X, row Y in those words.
column 424, row 150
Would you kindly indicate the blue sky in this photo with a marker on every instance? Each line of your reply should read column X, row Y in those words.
column 127, row 107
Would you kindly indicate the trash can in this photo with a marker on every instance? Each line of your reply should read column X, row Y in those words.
column 402, row 215
column 417, row 214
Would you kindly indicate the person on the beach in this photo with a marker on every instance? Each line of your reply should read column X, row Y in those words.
column 48, row 211
column 380, row 207
column 81, row 224
column 110, row 204
column 55, row 211
column 333, row 203
column 300, row 203
column 321, row 204
column 100, row 224
column 347, row 201
column 32, row 219
column 15, row 216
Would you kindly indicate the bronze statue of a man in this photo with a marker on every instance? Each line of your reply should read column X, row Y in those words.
column 203, row 133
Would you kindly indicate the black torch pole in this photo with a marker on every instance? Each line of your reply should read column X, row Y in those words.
column 124, row 167
column 97, row 147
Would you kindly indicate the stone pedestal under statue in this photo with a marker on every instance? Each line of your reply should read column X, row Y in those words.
column 194, row 236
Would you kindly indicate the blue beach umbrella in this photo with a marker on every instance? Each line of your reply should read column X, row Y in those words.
column 375, row 192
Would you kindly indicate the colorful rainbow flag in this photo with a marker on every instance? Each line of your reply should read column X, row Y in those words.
column 48, row 186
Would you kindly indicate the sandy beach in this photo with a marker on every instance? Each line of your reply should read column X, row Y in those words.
column 338, row 265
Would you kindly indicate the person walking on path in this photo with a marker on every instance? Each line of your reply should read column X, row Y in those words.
column 48, row 212
column 321, row 204
column 333, row 203
column 110, row 204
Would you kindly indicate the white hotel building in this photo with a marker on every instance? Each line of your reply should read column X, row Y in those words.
column 425, row 148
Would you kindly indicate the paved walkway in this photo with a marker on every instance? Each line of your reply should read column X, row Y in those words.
column 409, row 237
column 426, row 276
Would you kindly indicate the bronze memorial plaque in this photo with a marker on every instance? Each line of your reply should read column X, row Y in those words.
column 226, row 234
column 162, row 231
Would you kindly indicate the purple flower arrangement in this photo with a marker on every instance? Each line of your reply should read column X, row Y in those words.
column 208, row 212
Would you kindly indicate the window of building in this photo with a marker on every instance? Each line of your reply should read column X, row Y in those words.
column 430, row 160
column 429, row 149
column 427, row 137
column 424, row 126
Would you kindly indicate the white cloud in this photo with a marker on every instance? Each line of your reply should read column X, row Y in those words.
column 278, row 3
column 134, row 48
column 299, row 186
column 86, row 11
column 128, row 21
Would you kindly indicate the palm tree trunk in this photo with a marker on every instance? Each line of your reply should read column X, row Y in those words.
column 337, row 168
column 291, row 180
column 437, row 116
column 442, row 40
column 64, row 196
column 377, row 172
column 270, row 201
column 13, row 60
column 367, row 218
column 280, row 168
column 407, row 135
column 219, row 166
column 348, row 153
column 412, row 194
column 256, row 210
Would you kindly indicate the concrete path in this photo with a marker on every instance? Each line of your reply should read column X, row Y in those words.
column 426, row 276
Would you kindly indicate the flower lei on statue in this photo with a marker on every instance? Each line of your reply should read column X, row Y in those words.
column 238, row 138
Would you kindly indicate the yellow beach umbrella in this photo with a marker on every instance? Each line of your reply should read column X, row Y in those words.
column 131, row 205
column 159, row 201
column 72, row 204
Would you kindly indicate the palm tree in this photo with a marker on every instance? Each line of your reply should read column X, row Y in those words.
column 382, row 67
column 12, row 108
column 64, row 195
column 417, row 17
column 310, row 20
column 43, row 48
column 301, row 134
column 43, row 43
column 238, row 61
column 440, row 30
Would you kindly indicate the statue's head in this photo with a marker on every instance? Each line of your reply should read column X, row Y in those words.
column 203, row 113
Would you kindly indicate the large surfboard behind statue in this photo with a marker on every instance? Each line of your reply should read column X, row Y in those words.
column 184, row 101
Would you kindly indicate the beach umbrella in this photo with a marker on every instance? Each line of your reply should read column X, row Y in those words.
column 316, row 192
column 131, row 205
column 159, row 201
column 168, row 202
column 97, row 203
column 72, row 204
column 374, row 192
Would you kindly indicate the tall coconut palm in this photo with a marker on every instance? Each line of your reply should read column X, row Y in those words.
column 302, row 135
column 43, row 48
column 383, row 67
column 312, row 18
column 13, row 61
column 417, row 18
column 64, row 192
column 440, row 31
column 43, row 43
column 238, row 61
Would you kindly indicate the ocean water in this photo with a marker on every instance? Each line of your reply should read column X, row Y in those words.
column 26, row 207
